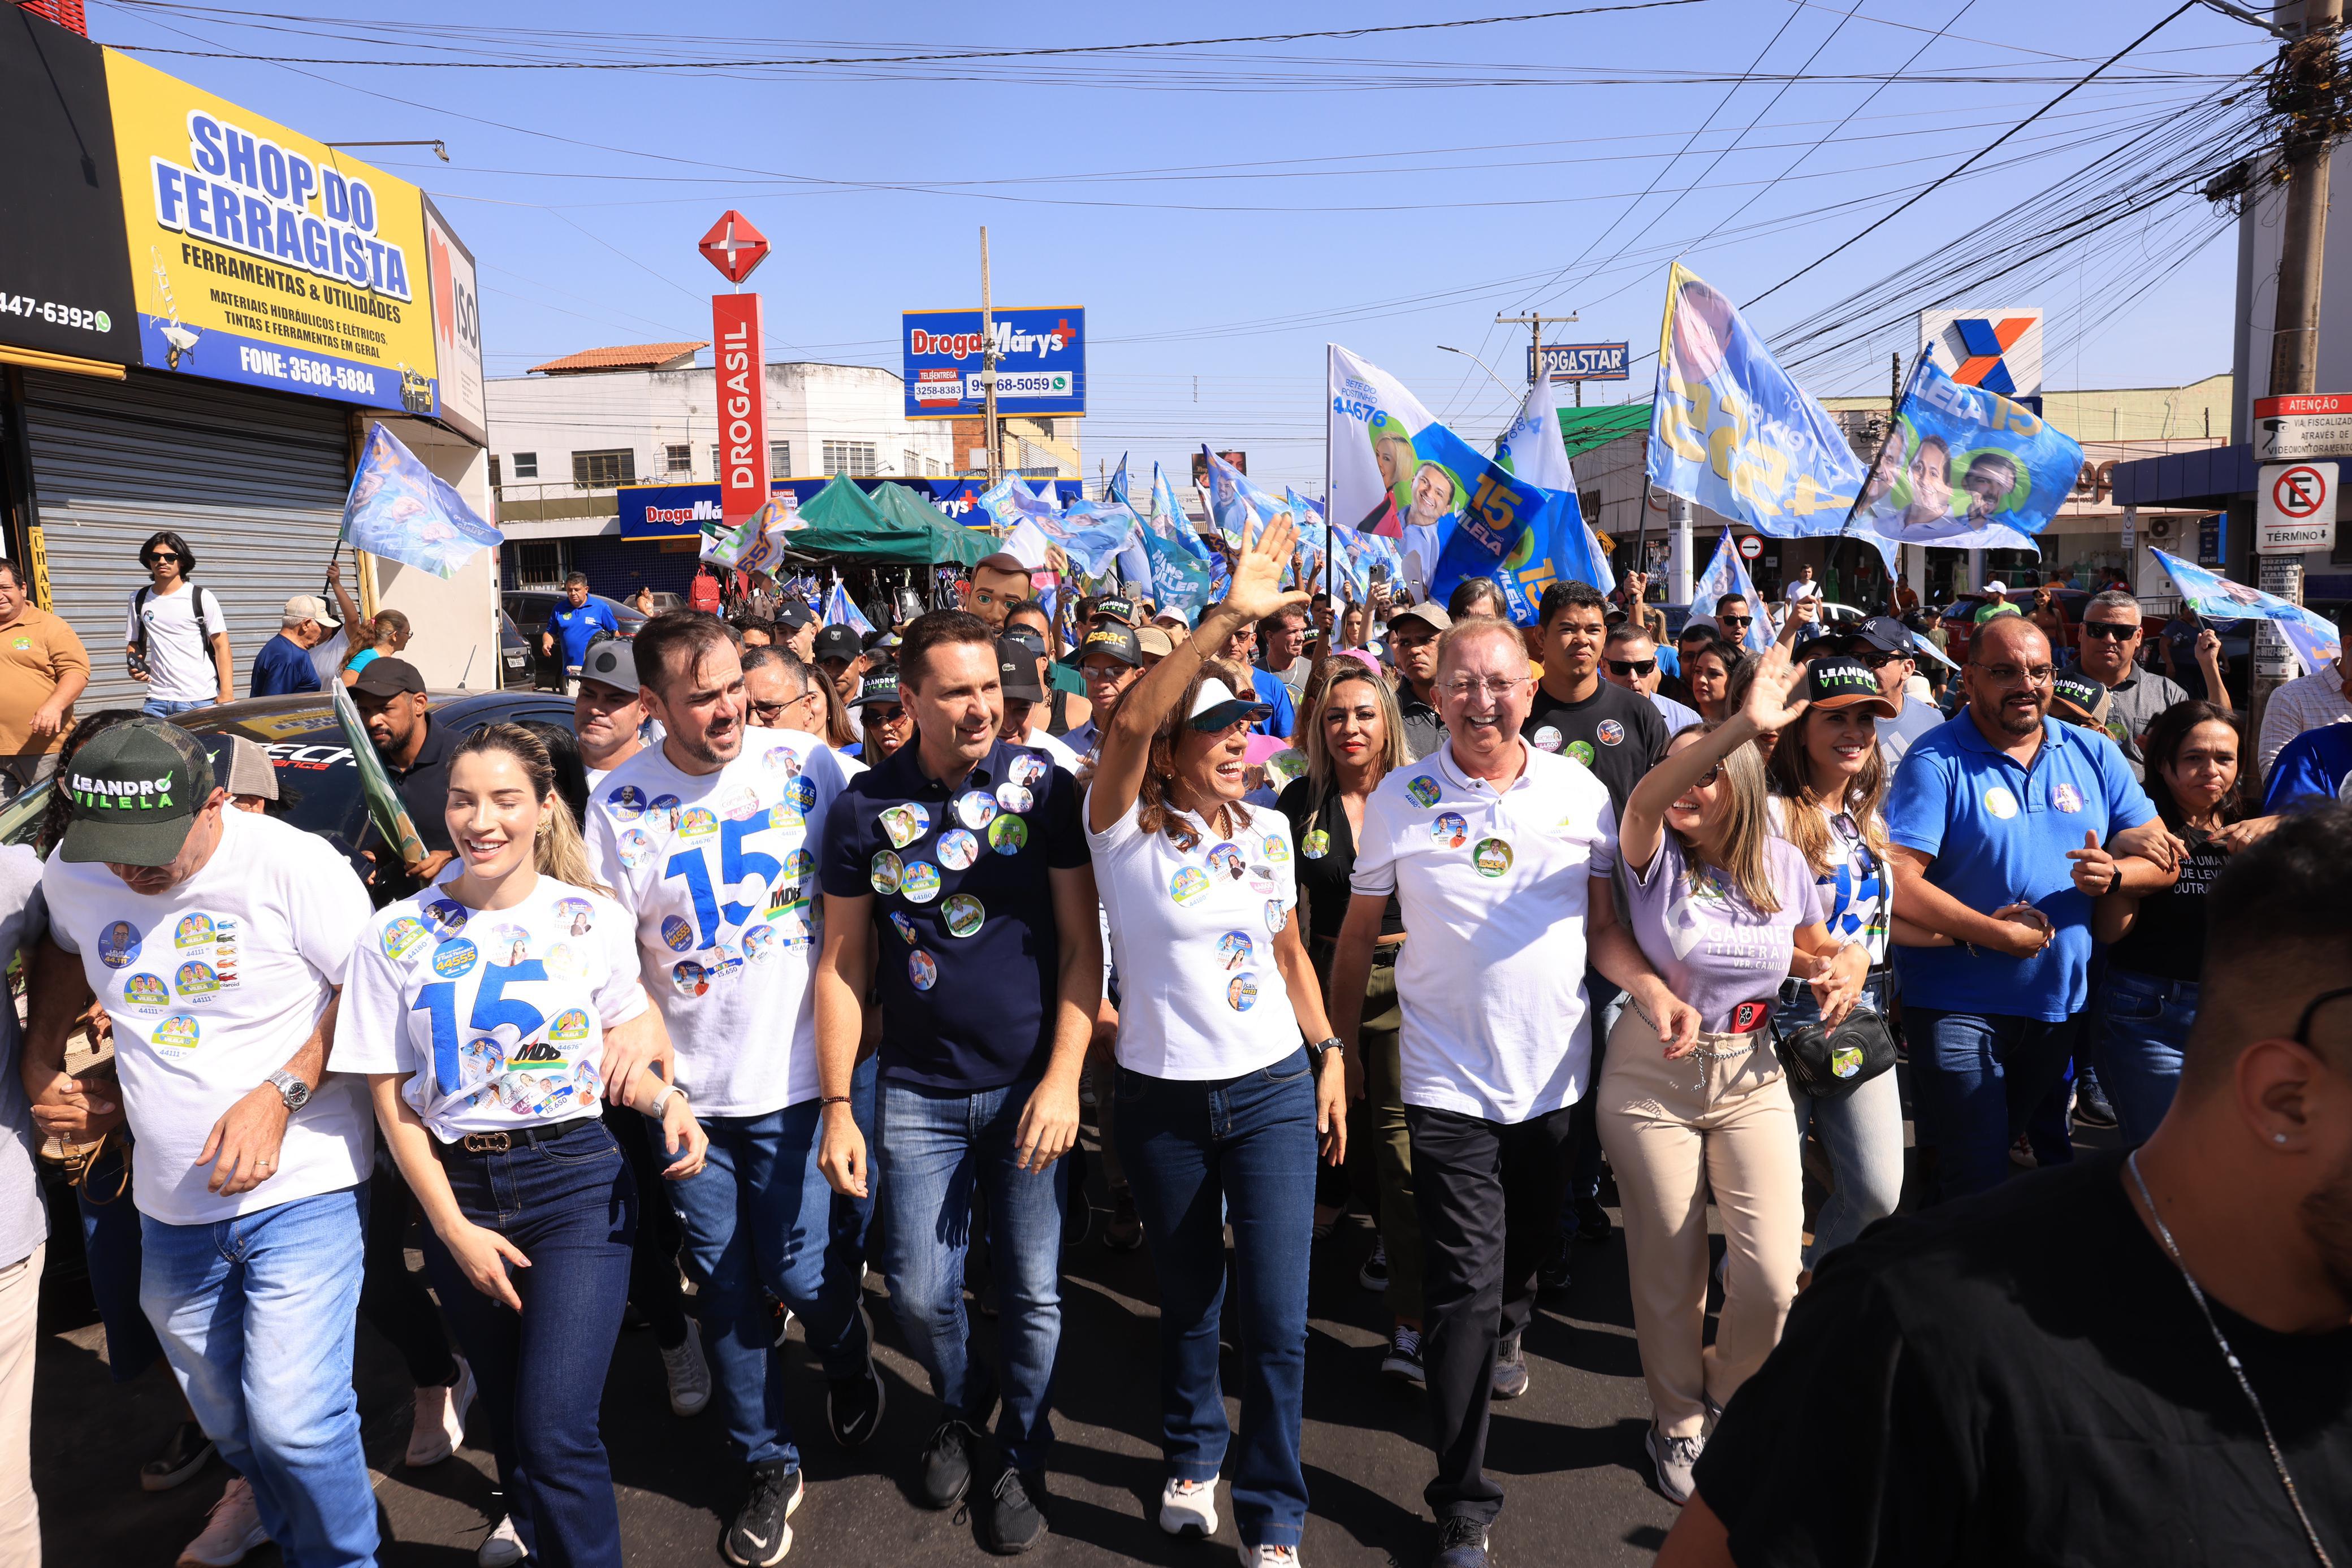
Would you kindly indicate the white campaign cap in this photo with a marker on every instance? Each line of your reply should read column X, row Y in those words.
column 1215, row 707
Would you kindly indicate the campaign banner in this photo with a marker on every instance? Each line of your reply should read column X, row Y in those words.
column 1096, row 532
column 1178, row 580
column 755, row 544
column 386, row 806
column 400, row 510
column 840, row 610
column 2316, row 639
column 1009, row 500
column 1731, row 432
column 1167, row 518
column 1240, row 508
column 1116, row 489
column 1727, row 573
column 1495, row 525
column 260, row 257
column 1963, row 468
column 1533, row 450
column 1372, row 420
column 1041, row 361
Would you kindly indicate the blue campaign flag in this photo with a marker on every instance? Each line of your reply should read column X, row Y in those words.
column 1964, row 468
column 400, row 510
column 1495, row 522
column 1178, row 580
column 1240, row 508
column 1009, row 500
column 1727, row 573
column 2316, row 639
column 1168, row 520
column 1096, row 532
column 1116, row 489
column 1731, row 432
column 840, row 610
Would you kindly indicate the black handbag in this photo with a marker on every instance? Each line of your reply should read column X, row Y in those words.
column 1830, row 1064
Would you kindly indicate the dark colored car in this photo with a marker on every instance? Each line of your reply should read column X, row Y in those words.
column 531, row 607
column 518, row 664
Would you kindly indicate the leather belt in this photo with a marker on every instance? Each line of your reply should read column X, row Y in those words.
column 502, row 1142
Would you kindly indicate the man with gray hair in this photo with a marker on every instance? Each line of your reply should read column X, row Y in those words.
column 284, row 663
column 2109, row 644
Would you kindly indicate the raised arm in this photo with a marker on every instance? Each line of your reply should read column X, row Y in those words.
column 1768, row 709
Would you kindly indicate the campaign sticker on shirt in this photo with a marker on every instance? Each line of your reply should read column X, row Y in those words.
column 697, row 822
column 784, row 814
column 1187, row 886
column 575, row 916
column 1007, row 834
column 1581, row 751
column 145, row 991
column 403, row 936
column 175, row 1034
column 740, row 805
column 454, row 958
column 663, row 810
column 481, row 1056
column 690, row 977
column 923, row 970
column 563, row 962
column 1015, row 798
column 759, row 944
column 508, row 946
column 677, row 932
column 626, row 802
column 1609, row 732
column 1028, row 769
column 1236, row 948
column 194, row 930
column 1275, row 850
column 799, row 866
column 536, row 1056
column 904, row 926
column 779, row 759
column 1226, row 861
column 1547, row 738
column 958, row 849
column 1316, row 845
column 446, row 916
column 884, row 872
column 963, row 913
column 572, row 1023
column 1423, row 791
column 1449, row 831
column 1241, row 994
column 920, row 882
column 2000, row 802
column 975, row 809
column 636, row 848
column 1492, row 857
column 1276, row 917
column 801, row 793
column 2065, row 797
column 902, row 825
column 118, row 944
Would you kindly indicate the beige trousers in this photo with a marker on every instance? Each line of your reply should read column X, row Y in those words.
column 1674, row 1132
column 20, row 1514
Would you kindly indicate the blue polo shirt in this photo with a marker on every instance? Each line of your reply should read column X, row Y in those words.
column 2000, row 833
column 968, row 952
column 575, row 629
column 1271, row 690
column 2314, row 769
column 281, row 667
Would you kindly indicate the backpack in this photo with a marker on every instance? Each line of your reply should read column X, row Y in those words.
column 705, row 593
column 206, row 630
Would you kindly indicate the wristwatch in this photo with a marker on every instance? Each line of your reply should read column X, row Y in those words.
column 291, row 1089
column 1326, row 1047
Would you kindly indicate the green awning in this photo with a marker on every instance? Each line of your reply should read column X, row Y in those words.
column 844, row 522
column 1586, row 428
column 958, row 546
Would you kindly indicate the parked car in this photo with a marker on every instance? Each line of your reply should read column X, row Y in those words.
column 531, row 607
column 518, row 660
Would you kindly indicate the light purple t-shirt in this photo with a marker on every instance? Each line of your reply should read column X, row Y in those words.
column 1710, row 947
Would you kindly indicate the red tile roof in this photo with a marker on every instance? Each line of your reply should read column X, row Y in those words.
column 627, row 357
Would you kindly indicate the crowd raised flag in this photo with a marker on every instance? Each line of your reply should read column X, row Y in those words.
column 2316, row 639
column 1727, row 573
column 1964, row 468
column 400, row 510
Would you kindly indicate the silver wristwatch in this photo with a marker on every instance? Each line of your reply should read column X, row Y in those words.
column 291, row 1089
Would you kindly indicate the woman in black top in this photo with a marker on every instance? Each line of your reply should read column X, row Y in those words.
column 1352, row 736
column 2157, row 940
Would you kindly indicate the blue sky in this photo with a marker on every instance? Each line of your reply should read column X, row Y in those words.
column 1224, row 210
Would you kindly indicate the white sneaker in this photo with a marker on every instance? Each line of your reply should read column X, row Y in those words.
column 233, row 1530
column 501, row 1548
column 688, row 1374
column 1189, row 1507
column 1269, row 1557
column 440, row 1423
column 1673, row 1458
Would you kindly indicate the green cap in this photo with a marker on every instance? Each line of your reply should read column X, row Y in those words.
column 135, row 790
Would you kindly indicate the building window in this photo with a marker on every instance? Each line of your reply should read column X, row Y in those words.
column 1589, row 503
column 913, row 462
column 494, row 471
column 715, row 472
column 852, row 457
column 526, row 464
column 678, row 458
column 539, row 563
column 779, row 460
column 602, row 470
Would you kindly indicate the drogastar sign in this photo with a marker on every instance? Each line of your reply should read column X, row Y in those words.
column 735, row 247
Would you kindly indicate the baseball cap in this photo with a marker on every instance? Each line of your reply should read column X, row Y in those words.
column 1884, row 633
column 1155, row 642
column 309, row 607
column 1836, row 681
column 881, row 688
column 791, row 614
column 2078, row 699
column 1214, row 707
column 1028, row 637
column 1113, row 604
column 1016, row 671
column 608, row 662
column 135, row 790
column 1429, row 615
column 1174, row 614
column 1118, row 641
column 240, row 766
column 1996, row 586
column 388, row 677
column 838, row 642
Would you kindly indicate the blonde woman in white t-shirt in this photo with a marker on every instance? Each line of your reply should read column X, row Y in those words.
column 1221, row 1106
column 492, row 1014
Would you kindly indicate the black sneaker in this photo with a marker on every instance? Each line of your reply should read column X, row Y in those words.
column 946, row 1464
column 852, row 1407
column 1554, row 1273
column 188, row 1451
column 1461, row 1543
column 1015, row 1519
column 2091, row 1106
column 1591, row 1220
column 1375, row 1274
column 1125, row 1232
column 763, row 1530
column 1510, row 1369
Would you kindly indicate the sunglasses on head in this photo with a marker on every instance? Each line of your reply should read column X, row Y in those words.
column 1632, row 667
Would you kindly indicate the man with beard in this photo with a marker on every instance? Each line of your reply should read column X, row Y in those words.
column 2193, row 1294
column 390, row 696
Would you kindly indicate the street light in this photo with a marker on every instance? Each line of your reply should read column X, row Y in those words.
column 1513, row 393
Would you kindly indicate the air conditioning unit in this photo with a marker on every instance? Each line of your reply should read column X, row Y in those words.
column 2159, row 527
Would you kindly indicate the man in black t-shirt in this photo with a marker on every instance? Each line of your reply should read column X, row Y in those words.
column 2032, row 1375
column 1614, row 732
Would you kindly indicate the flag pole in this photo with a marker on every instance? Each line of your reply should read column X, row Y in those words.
column 1331, row 539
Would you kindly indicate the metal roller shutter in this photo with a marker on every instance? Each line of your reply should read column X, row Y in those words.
column 252, row 480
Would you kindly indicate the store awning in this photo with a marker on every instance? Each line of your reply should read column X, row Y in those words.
column 1585, row 428
column 2208, row 477
column 958, row 546
column 843, row 522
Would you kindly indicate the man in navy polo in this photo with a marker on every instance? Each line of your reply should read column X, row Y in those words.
column 956, row 873
column 2006, row 823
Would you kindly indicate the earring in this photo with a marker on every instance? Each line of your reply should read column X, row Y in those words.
column 2278, row 1137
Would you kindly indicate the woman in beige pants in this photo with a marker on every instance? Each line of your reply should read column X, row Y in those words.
column 1720, row 908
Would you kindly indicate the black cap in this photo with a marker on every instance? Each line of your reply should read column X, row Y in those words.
column 2088, row 698
column 1118, row 641
column 388, row 677
column 1016, row 671
column 135, row 791
column 1884, row 633
column 880, row 688
column 1111, row 605
column 838, row 642
column 1835, row 681
column 791, row 614
column 1028, row 637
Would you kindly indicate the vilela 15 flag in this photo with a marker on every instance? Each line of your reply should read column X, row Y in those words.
column 1964, row 468
column 1726, row 573
column 400, row 510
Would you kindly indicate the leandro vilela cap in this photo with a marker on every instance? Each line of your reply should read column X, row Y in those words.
column 135, row 790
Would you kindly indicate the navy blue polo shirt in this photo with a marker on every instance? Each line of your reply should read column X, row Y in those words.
column 2000, row 833
column 969, row 955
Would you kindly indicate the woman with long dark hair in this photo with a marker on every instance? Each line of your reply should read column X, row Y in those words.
column 1709, row 672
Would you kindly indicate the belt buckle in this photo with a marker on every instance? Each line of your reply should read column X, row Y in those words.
column 488, row 1142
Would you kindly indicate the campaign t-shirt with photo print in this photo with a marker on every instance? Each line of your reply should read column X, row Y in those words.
column 1616, row 733
column 498, row 1015
column 1193, row 932
column 718, row 874
column 214, row 985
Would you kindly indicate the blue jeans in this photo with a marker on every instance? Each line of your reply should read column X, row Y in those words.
column 2144, row 1023
column 759, row 1213
column 570, row 1206
column 256, row 1316
column 165, row 707
column 111, row 1247
column 934, row 1146
column 1199, row 1153
column 853, row 1217
column 1975, row 1079
column 1861, row 1133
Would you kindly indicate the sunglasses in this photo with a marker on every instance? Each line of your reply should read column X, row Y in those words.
column 878, row 714
column 1632, row 667
column 161, row 554
column 2113, row 630
column 1735, row 619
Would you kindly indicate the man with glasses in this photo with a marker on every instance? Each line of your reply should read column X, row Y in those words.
column 780, row 692
column 609, row 711
column 1413, row 632
column 998, row 584
column 1733, row 618
column 2110, row 639
column 1241, row 648
column 1109, row 661
column 1629, row 660
column 1998, row 820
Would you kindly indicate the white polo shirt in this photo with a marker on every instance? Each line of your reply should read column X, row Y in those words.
column 1493, row 890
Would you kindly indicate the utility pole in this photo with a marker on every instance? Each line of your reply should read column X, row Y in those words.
column 988, row 369
column 2306, row 92
column 1534, row 324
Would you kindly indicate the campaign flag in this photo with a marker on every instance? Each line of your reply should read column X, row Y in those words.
column 1168, row 520
column 755, row 544
column 1352, row 563
column 1095, row 532
column 2316, row 639
column 1731, row 432
column 1532, row 449
column 1178, row 580
column 840, row 610
column 1008, row 501
column 1372, row 424
column 1726, row 573
column 385, row 805
column 400, row 510
column 1116, row 489
column 1493, row 521
column 1964, row 468
column 1240, row 508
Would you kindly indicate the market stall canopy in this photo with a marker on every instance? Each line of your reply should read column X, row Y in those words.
column 842, row 521
column 959, row 544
